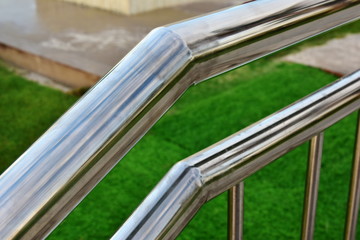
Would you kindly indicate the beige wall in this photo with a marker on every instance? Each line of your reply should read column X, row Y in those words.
column 131, row 6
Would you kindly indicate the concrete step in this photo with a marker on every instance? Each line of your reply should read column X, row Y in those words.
column 77, row 45
column 338, row 56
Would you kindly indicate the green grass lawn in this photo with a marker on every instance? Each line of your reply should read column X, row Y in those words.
column 26, row 111
column 206, row 113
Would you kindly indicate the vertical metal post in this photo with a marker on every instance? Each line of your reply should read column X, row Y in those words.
column 312, row 185
column 354, row 194
column 236, row 212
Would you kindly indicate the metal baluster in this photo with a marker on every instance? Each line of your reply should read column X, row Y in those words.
column 236, row 212
column 312, row 185
column 354, row 195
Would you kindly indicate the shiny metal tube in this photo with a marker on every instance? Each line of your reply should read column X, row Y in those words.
column 236, row 212
column 59, row 169
column 172, row 204
column 230, row 38
column 354, row 193
column 312, row 186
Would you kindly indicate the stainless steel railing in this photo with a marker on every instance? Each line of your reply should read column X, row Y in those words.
column 58, row 170
column 203, row 176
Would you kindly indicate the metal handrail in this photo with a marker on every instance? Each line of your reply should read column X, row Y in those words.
column 208, row 173
column 60, row 168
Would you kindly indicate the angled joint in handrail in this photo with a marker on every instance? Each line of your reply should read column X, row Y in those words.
column 60, row 168
column 169, row 207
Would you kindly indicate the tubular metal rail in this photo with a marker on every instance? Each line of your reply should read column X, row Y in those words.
column 203, row 176
column 60, row 168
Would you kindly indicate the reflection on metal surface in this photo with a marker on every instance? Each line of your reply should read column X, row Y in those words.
column 172, row 204
column 354, row 195
column 236, row 212
column 312, row 186
column 58, row 170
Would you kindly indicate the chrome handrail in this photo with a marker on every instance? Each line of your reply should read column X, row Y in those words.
column 63, row 165
column 208, row 173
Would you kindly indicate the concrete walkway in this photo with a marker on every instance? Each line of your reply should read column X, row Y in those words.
column 77, row 45
column 338, row 56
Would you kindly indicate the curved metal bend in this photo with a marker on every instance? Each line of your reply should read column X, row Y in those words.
column 199, row 178
column 60, row 168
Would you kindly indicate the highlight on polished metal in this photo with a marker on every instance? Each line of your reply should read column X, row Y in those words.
column 204, row 175
column 63, row 165
column 236, row 212
column 312, row 186
column 354, row 195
